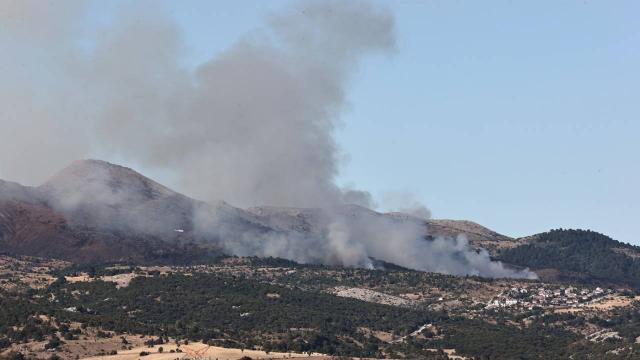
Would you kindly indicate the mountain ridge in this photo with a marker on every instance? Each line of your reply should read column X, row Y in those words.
column 108, row 212
column 95, row 211
column 577, row 255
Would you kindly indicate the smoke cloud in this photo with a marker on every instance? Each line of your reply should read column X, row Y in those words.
column 405, row 202
column 239, row 127
column 354, row 236
column 253, row 125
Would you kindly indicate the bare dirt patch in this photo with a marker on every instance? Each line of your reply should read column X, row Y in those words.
column 27, row 271
column 370, row 296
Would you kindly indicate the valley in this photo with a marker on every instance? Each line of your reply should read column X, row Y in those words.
column 250, row 303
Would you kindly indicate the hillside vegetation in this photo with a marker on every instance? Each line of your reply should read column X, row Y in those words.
column 581, row 255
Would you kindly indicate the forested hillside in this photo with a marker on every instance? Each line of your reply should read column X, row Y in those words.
column 582, row 255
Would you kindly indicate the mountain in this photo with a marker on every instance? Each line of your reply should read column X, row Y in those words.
column 95, row 211
column 34, row 229
column 577, row 255
column 98, row 194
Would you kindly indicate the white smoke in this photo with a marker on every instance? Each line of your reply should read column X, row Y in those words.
column 239, row 127
column 351, row 235
column 405, row 202
column 253, row 125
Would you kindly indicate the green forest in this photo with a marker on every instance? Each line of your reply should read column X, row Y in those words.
column 584, row 256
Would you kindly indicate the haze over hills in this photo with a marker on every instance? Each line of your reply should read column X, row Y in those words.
column 96, row 211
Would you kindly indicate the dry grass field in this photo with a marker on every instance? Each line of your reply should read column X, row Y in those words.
column 88, row 347
column 212, row 353
column 26, row 271
column 606, row 304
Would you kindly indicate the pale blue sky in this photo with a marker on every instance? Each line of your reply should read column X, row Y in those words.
column 522, row 116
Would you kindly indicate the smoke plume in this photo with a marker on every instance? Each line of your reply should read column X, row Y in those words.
column 254, row 125
column 238, row 127
column 405, row 202
column 353, row 236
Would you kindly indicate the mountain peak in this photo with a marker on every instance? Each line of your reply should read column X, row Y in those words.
column 98, row 177
column 91, row 169
column 98, row 194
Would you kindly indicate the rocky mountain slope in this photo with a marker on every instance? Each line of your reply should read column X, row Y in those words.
column 96, row 211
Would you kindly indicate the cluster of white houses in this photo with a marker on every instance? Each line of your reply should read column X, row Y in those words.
column 530, row 298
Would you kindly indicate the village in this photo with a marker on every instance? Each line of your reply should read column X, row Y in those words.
column 547, row 297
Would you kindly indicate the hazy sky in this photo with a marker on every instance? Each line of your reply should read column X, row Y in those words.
column 521, row 116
